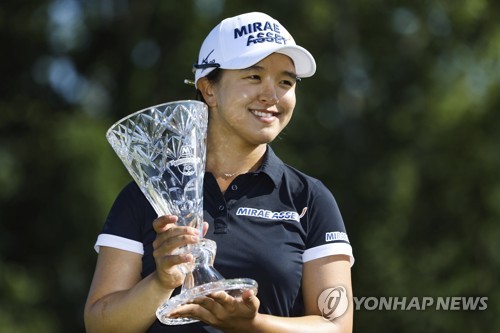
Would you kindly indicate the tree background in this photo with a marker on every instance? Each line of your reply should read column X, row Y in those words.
column 400, row 121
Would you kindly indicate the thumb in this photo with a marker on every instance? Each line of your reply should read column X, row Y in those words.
column 250, row 300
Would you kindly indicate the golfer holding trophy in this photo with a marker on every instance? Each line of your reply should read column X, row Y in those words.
column 215, row 233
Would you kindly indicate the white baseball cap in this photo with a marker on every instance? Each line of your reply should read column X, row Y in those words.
column 242, row 41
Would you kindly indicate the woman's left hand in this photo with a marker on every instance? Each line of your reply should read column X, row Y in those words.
column 223, row 311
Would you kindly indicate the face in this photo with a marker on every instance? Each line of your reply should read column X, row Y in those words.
column 253, row 105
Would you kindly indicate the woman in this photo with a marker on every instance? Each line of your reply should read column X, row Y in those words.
column 271, row 223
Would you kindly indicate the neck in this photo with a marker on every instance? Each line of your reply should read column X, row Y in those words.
column 226, row 162
column 225, row 166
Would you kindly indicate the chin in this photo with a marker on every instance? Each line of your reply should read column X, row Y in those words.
column 266, row 139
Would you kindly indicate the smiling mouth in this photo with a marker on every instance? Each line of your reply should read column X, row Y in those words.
column 263, row 114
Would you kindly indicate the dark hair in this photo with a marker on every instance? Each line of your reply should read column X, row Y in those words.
column 214, row 77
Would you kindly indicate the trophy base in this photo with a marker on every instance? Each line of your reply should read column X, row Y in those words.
column 233, row 287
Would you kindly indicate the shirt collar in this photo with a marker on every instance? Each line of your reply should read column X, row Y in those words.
column 272, row 166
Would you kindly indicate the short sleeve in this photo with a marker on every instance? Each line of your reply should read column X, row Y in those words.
column 123, row 228
column 326, row 232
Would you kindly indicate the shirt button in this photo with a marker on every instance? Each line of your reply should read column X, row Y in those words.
column 234, row 187
column 221, row 207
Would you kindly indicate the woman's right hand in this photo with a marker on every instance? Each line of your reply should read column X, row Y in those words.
column 169, row 237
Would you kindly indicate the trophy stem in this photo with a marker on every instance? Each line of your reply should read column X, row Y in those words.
column 201, row 279
column 202, row 271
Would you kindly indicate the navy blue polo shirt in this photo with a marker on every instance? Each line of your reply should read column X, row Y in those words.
column 266, row 225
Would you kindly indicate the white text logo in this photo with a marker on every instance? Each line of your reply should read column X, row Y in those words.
column 267, row 214
column 453, row 303
column 336, row 236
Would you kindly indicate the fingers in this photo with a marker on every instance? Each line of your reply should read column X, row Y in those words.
column 172, row 260
column 247, row 298
column 205, row 228
column 174, row 238
column 250, row 300
column 170, row 236
column 206, row 302
column 193, row 311
column 221, row 297
column 161, row 223
column 202, row 308
column 168, row 272
column 221, row 309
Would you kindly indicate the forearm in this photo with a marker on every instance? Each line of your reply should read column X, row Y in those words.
column 131, row 310
column 314, row 324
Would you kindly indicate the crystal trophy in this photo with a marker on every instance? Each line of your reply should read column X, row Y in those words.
column 164, row 149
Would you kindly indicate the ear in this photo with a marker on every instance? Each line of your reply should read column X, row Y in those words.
column 207, row 90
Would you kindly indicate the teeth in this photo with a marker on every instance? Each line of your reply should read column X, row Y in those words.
column 262, row 114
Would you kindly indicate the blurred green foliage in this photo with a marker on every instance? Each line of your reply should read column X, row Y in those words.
column 401, row 122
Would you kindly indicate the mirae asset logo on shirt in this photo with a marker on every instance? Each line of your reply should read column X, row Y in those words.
column 270, row 215
column 336, row 236
column 291, row 216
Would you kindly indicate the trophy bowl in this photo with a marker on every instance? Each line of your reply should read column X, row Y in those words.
column 163, row 147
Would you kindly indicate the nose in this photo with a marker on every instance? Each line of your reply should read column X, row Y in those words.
column 268, row 94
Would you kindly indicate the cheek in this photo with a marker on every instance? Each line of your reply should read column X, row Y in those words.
column 289, row 100
column 288, row 118
column 227, row 96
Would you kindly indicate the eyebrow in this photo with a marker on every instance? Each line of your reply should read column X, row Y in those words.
column 292, row 75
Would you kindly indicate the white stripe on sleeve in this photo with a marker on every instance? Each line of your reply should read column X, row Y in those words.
column 118, row 243
column 328, row 250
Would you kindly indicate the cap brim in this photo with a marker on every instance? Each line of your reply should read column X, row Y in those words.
column 305, row 66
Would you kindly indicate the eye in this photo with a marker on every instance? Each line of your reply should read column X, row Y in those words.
column 288, row 83
column 253, row 77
